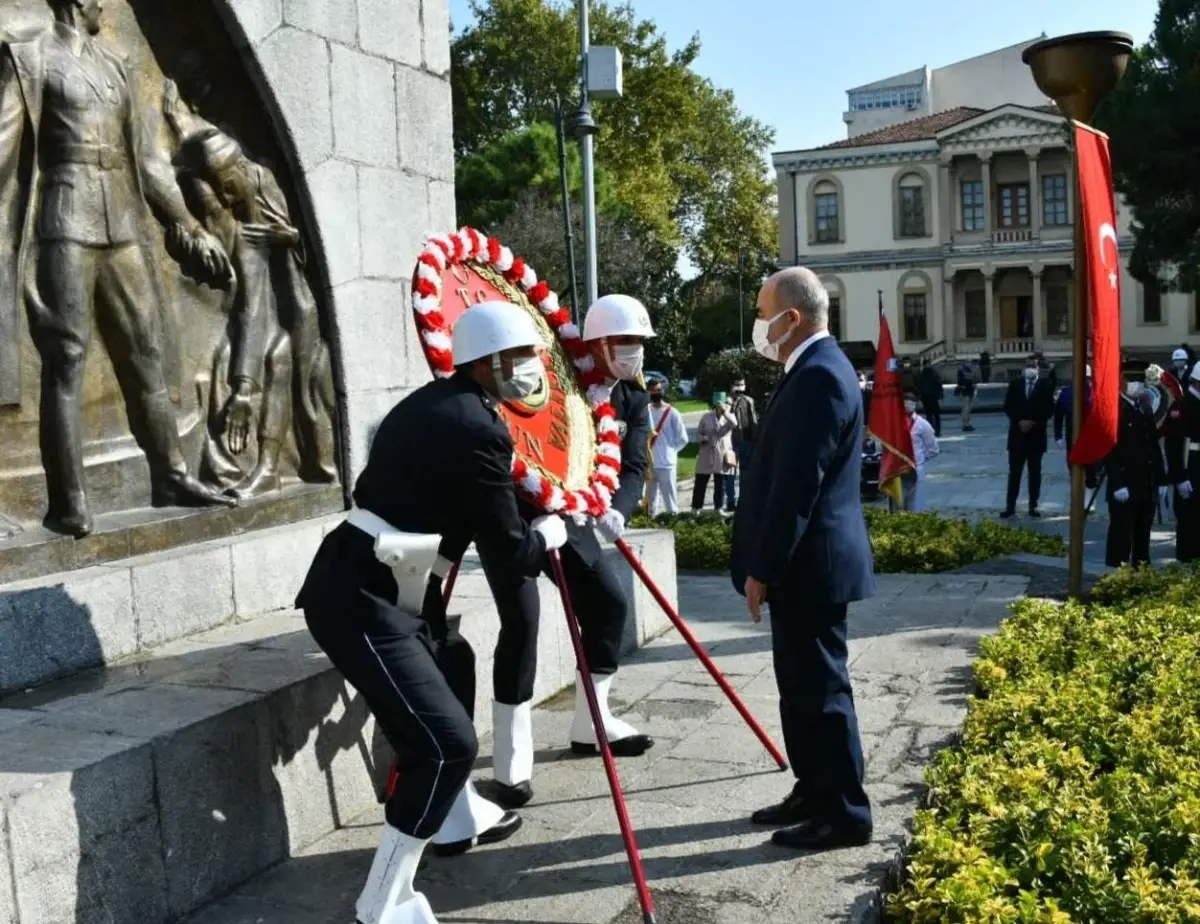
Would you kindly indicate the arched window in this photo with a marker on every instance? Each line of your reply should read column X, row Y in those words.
column 837, row 305
column 913, row 296
column 825, row 219
column 911, row 203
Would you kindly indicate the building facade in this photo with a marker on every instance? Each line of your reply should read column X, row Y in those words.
column 962, row 223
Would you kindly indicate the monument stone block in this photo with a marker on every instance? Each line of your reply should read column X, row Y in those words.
column 364, row 122
column 296, row 65
column 435, row 19
column 401, row 233
column 424, row 116
column 254, row 20
column 395, row 30
column 333, row 19
column 333, row 187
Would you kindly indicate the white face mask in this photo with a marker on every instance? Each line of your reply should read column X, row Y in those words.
column 527, row 376
column 910, row 406
column 626, row 360
column 761, row 338
column 1030, row 373
column 1180, row 366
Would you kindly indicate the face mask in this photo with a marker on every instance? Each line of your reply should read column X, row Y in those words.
column 910, row 406
column 1030, row 373
column 1181, row 367
column 626, row 361
column 761, row 337
column 1133, row 389
column 656, row 399
column 739, row 389
column 526, row 378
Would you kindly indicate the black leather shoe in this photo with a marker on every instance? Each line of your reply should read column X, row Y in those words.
column 791, row 811
column 1005, row 514
column 1034, row 512
column 502, row 830
column 511, row 797
column 633, row 746
column 820, row 835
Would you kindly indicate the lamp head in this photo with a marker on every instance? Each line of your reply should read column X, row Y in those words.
column 1078, row 71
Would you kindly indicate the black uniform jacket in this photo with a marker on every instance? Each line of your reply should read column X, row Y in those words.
column 441, row 462
column 632, row 406
column 1183, row 429
column 1135, row 462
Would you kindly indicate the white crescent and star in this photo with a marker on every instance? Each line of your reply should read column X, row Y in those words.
column 1107, row 232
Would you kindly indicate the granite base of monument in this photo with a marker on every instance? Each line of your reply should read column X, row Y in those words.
column 140, row 791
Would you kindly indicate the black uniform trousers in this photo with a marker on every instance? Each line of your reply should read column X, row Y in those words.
column 420, row 691
column 599, row 602
column 1129, row 526
column 816, row 705
column 1187, row 527
column 1019, row 457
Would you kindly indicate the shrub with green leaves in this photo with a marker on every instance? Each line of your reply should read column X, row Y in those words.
column 905, row 543
column 1074, row 794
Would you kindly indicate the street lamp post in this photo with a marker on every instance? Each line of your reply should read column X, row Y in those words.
column 585, row 129
column 1077, row 72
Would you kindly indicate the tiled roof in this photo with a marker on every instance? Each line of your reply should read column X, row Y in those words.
column 920, row 129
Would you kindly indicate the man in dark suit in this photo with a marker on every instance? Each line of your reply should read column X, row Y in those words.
column 1029, row 405
column 800, row 545
column 1136, row 477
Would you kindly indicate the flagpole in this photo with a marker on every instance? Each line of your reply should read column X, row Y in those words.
column 1077, row 72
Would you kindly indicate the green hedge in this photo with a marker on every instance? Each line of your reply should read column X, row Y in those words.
column 1074, row 794
column 905, row 543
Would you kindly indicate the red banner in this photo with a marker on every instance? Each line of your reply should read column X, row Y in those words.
column 889, row 423
column 1102, row 270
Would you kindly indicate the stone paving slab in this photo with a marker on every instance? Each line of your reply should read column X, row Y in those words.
column 690, row 796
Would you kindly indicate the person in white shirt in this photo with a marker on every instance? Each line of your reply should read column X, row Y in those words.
column 925, row 447
column 668, row 435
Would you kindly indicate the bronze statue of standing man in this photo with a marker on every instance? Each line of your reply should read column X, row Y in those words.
column 77, row 170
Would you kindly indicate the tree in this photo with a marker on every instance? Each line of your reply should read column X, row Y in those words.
column 685, row 162
column 1153, row 119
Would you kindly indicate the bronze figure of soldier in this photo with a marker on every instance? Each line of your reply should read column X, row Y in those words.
column 77, row 171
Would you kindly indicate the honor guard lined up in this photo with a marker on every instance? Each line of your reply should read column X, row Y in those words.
column 615, row 327
column 1135, row 475
column 1183, row 465
column 373, row 595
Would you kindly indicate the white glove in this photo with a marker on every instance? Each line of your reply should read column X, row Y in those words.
column 1185, row 489
column 1121, row 495
column 611, row 524
column 1058, row 443
column 553, row 530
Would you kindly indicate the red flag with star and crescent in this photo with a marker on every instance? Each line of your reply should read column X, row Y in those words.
column 1098, row 434
column 889, row 423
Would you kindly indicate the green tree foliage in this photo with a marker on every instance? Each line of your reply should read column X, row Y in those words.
column 684, row 161
column 1153, row 119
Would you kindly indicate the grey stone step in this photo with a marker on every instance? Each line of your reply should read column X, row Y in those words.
column 144, row 790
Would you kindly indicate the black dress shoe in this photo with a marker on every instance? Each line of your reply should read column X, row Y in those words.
column 820, row 835
column 502, row 830
column 1034, row 512
column 632, row 746
column 511, row 797
column 792, row 810
column 1005, row 514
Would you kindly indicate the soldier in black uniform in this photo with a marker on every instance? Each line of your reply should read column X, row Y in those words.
column 1135, row 475
column 615, row 326
column 372, row 598
column 1183, row 465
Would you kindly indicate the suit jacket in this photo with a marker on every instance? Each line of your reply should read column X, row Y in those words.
column 632, row 407
column 458, row 486
column 1064, row 409
column 1136, row 463
column 1038, row 407
column 799, row 525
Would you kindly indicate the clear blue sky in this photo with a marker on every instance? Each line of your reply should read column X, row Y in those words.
column 789, row 64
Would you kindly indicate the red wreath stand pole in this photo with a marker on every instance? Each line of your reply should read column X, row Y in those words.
column 610, row 764
column 694, row 643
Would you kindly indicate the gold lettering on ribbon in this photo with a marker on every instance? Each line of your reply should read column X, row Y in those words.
column 559, row 436
column 460, row 273
column 480, row 296
column 462, row 293
column 533, row 446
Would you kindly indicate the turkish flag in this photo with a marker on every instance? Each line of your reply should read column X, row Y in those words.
column 889, row 423
column 1102, row 271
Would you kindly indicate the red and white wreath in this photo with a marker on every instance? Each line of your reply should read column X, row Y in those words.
column 446, row 250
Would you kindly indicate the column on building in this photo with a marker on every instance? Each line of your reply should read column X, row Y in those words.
column 946, row 198
column 989, row 310
column 1035, row 192
column 949, row 328
column 985, row 167
column 1039, row 311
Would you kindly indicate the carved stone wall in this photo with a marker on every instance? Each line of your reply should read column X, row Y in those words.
column 311, row 144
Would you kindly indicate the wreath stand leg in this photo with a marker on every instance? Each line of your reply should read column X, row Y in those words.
column 610, row 765
column 698, row 649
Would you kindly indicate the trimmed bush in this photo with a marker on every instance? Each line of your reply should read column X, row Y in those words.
column 1074, row 794
column 905, row 543
column 720, row 371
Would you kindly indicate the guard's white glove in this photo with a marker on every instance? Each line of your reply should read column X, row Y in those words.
column 1121, row 495
column 1058, row 443
column 1185, row 489
column 553, row 530
column 611, row 524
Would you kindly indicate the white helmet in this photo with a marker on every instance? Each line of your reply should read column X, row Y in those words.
column 489, row 328
column 1195, row 376
column 617, row 316
column 1179, row 356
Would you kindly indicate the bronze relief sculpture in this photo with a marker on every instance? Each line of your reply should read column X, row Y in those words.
column 116, row 216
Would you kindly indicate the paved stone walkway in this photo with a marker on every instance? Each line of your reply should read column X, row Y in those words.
column 691, row 795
